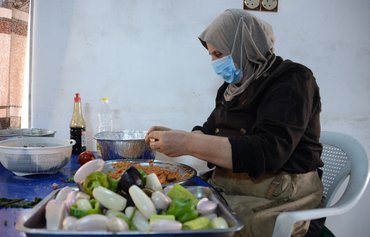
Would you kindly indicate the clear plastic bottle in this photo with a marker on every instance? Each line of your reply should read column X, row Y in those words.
column 105, row 119
column 78, row 126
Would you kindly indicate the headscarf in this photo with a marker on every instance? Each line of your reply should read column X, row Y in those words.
column 254, row 45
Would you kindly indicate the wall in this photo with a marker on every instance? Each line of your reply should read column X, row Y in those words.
column 145, row 56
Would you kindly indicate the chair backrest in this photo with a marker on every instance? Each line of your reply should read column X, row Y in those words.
column 337, row 167
column 343, row 156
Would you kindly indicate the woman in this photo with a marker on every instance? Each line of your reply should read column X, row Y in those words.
column 263, row 135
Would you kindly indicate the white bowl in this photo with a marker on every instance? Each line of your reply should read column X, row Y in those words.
column 35, row 155
column 25, row 132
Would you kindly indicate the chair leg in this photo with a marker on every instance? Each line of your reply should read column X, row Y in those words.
column 316, row 228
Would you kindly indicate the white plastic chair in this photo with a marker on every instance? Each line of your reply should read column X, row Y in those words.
column 344, row 157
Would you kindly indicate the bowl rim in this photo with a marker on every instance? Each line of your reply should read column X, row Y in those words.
column 70, row 142
column 96, row 136
column 26, row 132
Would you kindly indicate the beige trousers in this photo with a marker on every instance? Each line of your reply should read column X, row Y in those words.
column 257, row 202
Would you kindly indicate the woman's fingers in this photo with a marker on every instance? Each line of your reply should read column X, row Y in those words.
column 149, row 135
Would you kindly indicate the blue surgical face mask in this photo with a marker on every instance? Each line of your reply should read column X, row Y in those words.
column 225, row 68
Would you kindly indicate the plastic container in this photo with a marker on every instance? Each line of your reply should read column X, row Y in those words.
column 105, row 120
column 105, row 116
column 35, row 155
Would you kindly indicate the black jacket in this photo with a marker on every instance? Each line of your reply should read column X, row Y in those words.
column 274, row 125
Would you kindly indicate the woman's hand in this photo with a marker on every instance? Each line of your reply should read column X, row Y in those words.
column 173, row 143
column 157, row 128
column 169, row 142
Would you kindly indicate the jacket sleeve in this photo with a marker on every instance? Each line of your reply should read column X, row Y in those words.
column 281, row 120
column 209, row 126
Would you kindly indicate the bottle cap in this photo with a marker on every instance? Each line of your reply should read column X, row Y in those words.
column 77, row 97
column 104, row 99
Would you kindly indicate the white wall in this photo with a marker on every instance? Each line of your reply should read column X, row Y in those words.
column 145, row 56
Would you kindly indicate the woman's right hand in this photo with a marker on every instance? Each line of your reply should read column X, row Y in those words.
column 155, row 128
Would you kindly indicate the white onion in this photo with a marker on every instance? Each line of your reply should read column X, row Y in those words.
column 116, row 224
column 129, row 211
column 153, row 182
column 160, row 200
column 165, row 225
column 88, row 168
column 63, row 193
column 206, row 207
column 69, row 223
column 73, row 196
column 54, row 214
column 109, row 199
column 140, row 221
column 142, row 201
column 92, row 222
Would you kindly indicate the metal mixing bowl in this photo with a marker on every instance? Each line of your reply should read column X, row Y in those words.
column 25, row 132
column 35, row 155
column 127, row 144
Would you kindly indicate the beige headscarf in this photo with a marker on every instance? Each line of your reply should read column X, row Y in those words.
column 254, row 45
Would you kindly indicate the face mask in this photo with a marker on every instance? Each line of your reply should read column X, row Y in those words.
column 225, row 68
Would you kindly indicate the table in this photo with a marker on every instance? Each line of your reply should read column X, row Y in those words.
column 29, row 187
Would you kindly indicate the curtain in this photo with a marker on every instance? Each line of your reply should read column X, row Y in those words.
column 13, row 44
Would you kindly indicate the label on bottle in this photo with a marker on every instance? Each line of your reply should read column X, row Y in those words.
column 79, row 135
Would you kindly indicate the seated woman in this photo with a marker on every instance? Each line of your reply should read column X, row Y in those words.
column 263, row 135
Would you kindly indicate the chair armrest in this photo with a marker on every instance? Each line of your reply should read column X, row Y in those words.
column 285, row 221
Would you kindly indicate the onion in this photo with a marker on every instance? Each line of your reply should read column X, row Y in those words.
column 54, row 214
column 88, row 168
column 109, row 199
column 165, row 225
column 160, row 200
column 73, row 196
column 206, row 207
column 92, row 222
column 153, row 182
column 116, row 224
column 142, row 201
column 69, row 223
column 140, row 221
column 63, row 193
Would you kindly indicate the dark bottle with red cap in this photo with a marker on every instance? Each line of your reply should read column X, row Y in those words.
column 78, row 126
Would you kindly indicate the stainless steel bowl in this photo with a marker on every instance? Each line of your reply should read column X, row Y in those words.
column 25, row 132
column 35, row 155
column 127, row 144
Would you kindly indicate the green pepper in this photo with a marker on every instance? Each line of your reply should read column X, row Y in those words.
column 113, row 183
column 94, row 180
column 199, row 223
column 183, row 209
column 179, row 192
column 78, row 211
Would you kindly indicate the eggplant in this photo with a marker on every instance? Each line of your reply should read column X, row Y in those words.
column 130, row 177
column 129, row 203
